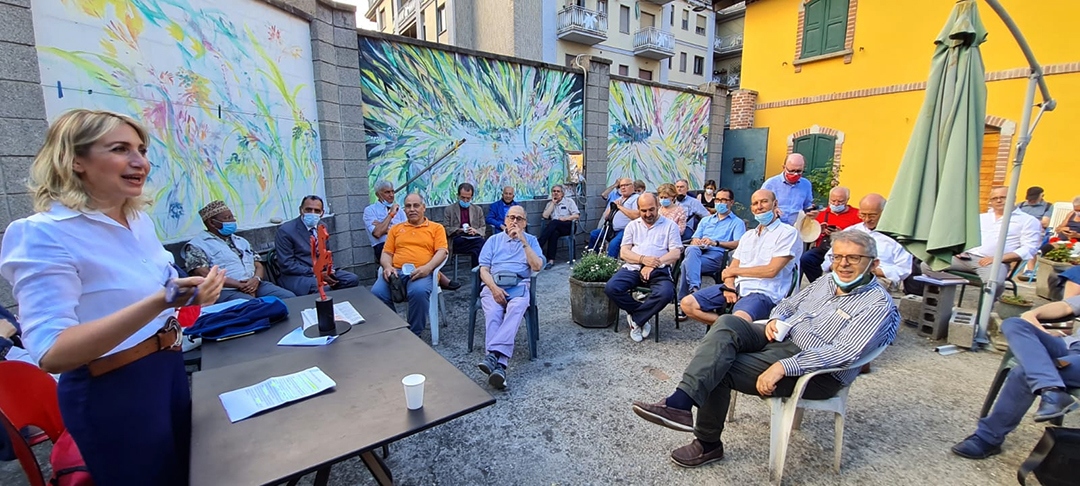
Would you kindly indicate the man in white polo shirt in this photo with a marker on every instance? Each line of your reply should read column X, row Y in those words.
column 760, row 271
column 650, row 246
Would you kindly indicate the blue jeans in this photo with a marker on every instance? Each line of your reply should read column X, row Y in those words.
column 620, row 285
column 613, row 246
column 1036, row 353
column 698, row 260
column 419, row 296
column 265, row 289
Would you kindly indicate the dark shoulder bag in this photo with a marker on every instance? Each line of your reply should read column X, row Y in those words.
column 1055, row 460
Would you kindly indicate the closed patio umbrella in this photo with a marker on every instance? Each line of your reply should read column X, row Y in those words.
column 933, row 208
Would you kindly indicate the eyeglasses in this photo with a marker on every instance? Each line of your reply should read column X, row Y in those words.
column 848, row 259
column 516, row 218
column 627, row 184
column 998, row 199
column 724, row 199
column 800, row 171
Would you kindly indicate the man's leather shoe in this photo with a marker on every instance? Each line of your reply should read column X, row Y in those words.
column 975, row 448
column 694, row 455
column 1055, row 403
column 453, row 285
column 661, row 414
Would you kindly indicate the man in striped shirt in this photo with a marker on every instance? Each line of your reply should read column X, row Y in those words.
column 829, row 324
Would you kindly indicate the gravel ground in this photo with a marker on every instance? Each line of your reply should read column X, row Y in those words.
column 566, row 417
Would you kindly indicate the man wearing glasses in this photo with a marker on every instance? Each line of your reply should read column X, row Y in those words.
column 713, row 238
column 625, row 210
column 1024, row 236
column 793, row 192
column 292, row 246
column 561, row 212
column 829, row 324
column 244, row 271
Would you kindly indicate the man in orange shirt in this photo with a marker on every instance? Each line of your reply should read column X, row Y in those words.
column 836, row 218
column 414, row 249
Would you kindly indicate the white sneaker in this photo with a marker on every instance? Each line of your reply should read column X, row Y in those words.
column 646, row 329
column 635, row 331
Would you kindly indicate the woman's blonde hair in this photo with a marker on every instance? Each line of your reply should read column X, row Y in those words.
column 666, row 188
column 52, row 174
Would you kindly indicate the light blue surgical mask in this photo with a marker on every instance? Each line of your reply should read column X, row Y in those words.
column 837, row 209
column 665, row 202
column 765, row 218
column 388, row 204
column 228, row 228
column 721, row 208
column 863, row 279
column 311, row 219
column 464, row 204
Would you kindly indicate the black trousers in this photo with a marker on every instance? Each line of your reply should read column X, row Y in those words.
column 469, row 246
column 811, row 261
column 549, row 237
column 731, row 357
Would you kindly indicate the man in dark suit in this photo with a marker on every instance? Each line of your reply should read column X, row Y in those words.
column 293, row 248
column 465, row 225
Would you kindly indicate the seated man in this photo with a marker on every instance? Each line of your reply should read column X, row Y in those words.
column 712, row 239
column 895, row 262
column 1049, row 362
column 380, row 216
column 837, row 217
column 833, row 323
column 760, row 270
column 420, row 244
column 465, row 225
column 218, row 245
column 292, row 246
column 561, row 212
column 650, row 246
column 625, row 209
column 695, row 211
column 506, row 263
column 1024, row 236
column 497, row 211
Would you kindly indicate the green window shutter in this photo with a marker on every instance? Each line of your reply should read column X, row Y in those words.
column 835, row 26
column 816, row 148
column 814, row 28
column 804, row 145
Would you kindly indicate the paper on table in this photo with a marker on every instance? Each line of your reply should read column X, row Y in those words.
column 343, row 311
column 274, row 392
column 297, row 338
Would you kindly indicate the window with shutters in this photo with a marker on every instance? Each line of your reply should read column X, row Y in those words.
column 826, row 29
column 624, row 19
column 682, row 62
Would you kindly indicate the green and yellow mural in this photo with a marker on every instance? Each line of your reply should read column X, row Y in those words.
column 657, row 135
column 224, row 88
column 518, row 121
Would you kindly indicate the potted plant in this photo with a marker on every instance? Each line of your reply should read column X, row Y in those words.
column 589, row 305
column 1052, row 264
column 1012, row 306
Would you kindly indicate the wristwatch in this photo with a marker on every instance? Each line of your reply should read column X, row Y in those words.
column 5, row 346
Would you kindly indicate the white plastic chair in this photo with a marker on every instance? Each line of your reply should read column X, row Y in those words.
column 1061, row 211
column 787, row 415
column 433, row 304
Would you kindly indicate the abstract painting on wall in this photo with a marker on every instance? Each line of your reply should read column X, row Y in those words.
column 657, row 135
column 518, row 122
column 225, row 89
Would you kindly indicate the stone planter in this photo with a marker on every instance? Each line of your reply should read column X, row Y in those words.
column 1006, row 311
column 590, row 306
column 1048, row 285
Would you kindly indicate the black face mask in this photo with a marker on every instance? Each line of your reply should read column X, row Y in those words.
column 681, row 197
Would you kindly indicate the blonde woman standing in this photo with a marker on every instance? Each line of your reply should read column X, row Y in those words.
column 97, row 297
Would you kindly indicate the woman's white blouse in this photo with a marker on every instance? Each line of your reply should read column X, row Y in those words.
column 68, row 267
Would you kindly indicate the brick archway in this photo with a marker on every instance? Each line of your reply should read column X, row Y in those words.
column 1008, row 131
column 817, row 129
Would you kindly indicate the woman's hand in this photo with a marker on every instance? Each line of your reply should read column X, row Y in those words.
column 209, row 288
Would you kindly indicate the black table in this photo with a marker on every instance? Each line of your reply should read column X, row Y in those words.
column 365, row 411
column 377, row 318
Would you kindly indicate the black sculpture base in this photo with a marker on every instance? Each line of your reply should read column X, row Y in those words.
column 328, row 326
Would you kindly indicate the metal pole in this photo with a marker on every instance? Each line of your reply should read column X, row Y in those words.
column 1036, row 69
column 443, row 156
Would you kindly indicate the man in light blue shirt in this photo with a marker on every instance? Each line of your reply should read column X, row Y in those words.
column 793, row 192
column 714, row 236
column 380, row 216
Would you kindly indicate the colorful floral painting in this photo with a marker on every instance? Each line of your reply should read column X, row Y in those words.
column 225, row 89
column 657, row 135
column 518, row 121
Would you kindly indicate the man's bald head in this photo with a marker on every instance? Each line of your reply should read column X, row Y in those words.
column 870, row 208
column 762, row 201
column 794, row 162
column 647, row 207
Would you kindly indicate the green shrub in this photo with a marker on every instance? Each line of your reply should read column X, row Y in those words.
column 595, row 268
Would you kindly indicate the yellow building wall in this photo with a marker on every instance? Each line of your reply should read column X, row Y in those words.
column 893, row 45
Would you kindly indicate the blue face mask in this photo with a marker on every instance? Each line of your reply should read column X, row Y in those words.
column 765, row 218
column 665, row 202
column 721, row 208
column 388, row 204
column 863, row 279
column 837, row 209
column 311, row 219
column 464, row 204
column 227, row 228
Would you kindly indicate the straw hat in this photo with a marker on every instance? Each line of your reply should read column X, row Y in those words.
column 808, row 228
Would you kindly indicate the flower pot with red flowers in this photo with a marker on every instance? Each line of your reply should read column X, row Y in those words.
column 1062, row 257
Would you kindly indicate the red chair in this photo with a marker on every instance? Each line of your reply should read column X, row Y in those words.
column 28, row 398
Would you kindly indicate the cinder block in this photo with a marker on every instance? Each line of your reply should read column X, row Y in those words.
column 910, row 308
column 962, row 328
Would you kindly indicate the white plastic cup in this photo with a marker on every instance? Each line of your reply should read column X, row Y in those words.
column 407, row 269
column 414, row 391
column 465, row 226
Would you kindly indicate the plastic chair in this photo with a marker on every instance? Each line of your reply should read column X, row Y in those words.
column 569, row 239
column 975, row 281
column 28, row 398
column 787, row 415
column 273, row 273
column 457, row 257
column 532, row 314
column 434, row 300
column 1061, row 211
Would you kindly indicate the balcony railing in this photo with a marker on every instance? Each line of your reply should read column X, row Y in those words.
column 654, row 43
column 408, row 7
column 728, row 43
column 579, row 24
column 729, row 80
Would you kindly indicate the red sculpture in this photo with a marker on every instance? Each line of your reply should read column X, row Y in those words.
column 322, row 262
